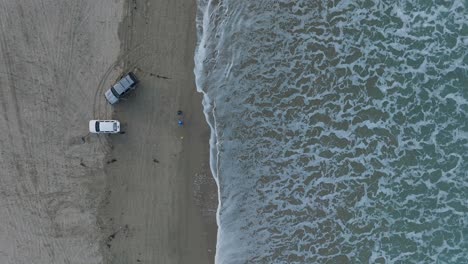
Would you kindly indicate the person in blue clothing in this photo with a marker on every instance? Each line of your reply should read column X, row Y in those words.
column 181, row 121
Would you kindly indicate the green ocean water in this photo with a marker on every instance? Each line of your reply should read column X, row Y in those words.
column 339, row 129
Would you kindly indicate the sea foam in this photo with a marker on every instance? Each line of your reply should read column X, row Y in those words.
column 338, row 129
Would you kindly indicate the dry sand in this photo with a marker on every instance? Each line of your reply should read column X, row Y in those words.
column 53, row 55
column 156, row 201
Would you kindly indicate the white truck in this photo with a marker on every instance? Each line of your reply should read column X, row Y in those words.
column 104, row 126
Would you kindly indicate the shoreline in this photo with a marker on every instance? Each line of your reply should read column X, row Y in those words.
column 161, row 198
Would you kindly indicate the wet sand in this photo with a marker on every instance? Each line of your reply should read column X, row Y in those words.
column 69, row 197
column 161, row 200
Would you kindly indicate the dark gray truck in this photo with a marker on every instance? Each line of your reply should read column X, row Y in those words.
column 118, row 90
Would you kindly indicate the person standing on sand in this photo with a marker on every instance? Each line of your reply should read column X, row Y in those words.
column 181, row 121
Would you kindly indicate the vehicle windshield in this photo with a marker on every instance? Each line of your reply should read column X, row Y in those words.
column 115, row 127
column 114, row 92
column 97, row 126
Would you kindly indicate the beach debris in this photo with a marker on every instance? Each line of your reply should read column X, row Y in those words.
column 112, row 236
column 125, row 230
column 160, row 76
column 111, row 161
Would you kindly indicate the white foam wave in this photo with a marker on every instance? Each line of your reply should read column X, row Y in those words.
column 336, row 130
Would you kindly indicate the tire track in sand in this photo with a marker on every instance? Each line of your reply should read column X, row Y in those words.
column 100, row 104
column 16, row 126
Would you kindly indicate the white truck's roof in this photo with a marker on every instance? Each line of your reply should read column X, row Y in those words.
column 106, row 126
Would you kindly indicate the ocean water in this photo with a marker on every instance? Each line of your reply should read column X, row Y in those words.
column 339, row 129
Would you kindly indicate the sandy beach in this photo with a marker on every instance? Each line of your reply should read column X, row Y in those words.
column 69, row 197
column 159, row 188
